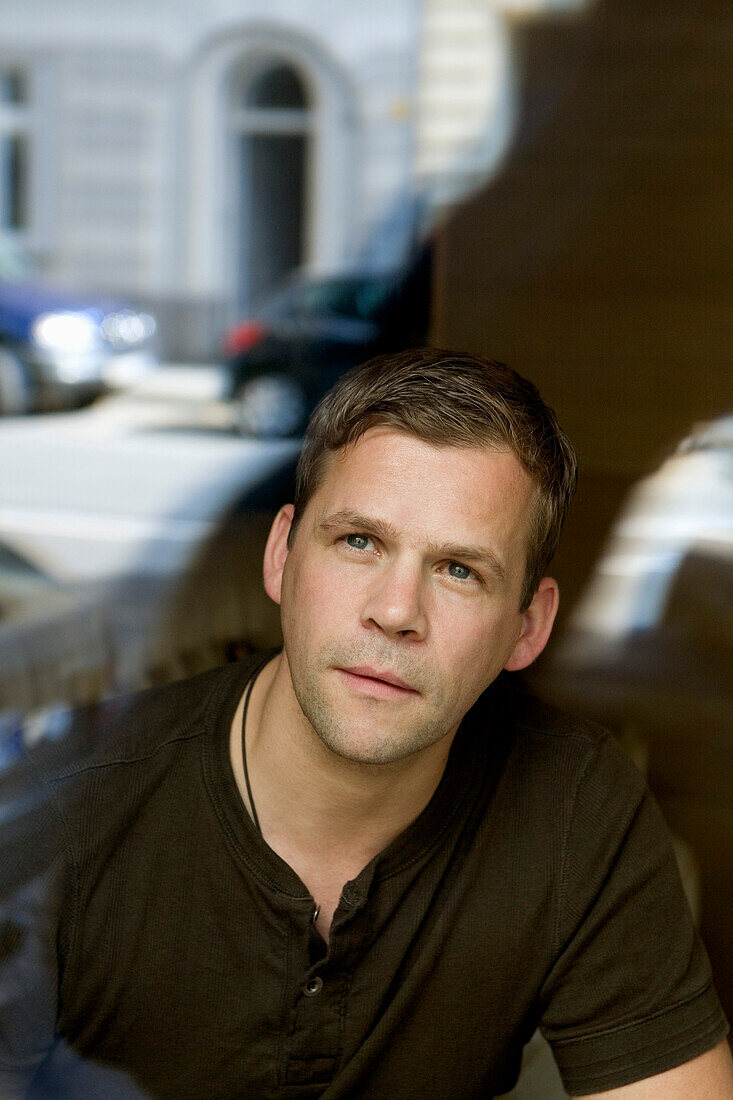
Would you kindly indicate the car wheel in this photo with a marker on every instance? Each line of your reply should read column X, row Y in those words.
column 15, row 384
column 270, row 405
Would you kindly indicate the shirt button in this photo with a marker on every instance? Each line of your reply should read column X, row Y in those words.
column 313, row 987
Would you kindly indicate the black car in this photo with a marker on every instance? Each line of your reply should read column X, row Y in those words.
column 284, row 360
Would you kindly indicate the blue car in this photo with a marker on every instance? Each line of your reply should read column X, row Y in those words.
column 60, row 350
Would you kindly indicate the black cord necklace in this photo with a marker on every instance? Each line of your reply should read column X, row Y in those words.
column 255, row 818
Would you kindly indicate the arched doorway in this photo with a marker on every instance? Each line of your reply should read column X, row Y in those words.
column 271, row 122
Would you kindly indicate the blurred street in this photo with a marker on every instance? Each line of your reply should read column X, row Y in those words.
column 111, row 518
column 132, row 482
column 186, row 394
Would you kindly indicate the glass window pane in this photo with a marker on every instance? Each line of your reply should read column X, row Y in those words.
column 279, row 86
column 13, row 87
column 14, row 182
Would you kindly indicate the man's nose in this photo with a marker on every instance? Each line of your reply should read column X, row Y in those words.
column 395, row 602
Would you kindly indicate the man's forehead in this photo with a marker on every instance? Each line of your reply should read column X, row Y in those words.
column 450, row 496
column 383, row 449
column 386, row 438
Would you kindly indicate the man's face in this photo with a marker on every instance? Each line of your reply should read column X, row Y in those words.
column 400, row 593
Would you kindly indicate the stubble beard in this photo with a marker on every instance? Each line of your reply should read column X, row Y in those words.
column 383, row 732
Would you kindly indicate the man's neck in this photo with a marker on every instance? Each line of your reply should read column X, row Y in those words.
column 326, row 816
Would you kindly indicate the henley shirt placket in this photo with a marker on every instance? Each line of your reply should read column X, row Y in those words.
column 321, row 986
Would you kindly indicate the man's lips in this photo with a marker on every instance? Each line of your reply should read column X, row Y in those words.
column 388, row 682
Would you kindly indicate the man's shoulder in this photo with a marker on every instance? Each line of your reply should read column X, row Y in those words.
column 136, row 727
column 545, row 746
column 83, row 778
column 514, row 707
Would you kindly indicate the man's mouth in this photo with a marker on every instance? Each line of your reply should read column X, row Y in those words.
column 377, row 681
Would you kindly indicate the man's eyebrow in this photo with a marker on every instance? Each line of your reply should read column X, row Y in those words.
column 363, row 524
column 470, row 553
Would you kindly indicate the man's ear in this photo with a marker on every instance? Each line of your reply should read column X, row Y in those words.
column 537, row 623
column 276, row 552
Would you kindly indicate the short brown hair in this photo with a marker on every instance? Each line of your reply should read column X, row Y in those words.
column 453, row 400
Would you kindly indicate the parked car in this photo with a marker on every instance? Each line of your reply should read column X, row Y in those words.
column 61, row 350
column 282, row 361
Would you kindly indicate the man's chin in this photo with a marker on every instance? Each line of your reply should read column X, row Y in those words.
column 365, row 729
column 388, row 746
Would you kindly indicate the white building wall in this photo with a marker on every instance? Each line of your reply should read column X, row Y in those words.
column 135, row 188
column 466, row 93
column 108, row 169
column 465, row 101
column 137, row 196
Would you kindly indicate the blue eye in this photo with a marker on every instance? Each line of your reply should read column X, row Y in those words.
column 460, row 572
column 358, row 542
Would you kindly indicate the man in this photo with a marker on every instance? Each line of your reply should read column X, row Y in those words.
column 360, row 867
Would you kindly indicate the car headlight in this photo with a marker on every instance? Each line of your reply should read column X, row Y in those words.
column 65, row 332
column 125, row 328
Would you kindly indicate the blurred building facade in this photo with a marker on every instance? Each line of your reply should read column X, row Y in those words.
column 190, row 155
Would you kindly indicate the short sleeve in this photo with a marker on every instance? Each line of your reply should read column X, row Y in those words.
column 32, row 873
column 630, row 993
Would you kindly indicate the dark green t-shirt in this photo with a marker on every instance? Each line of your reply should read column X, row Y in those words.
column 153, row 945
